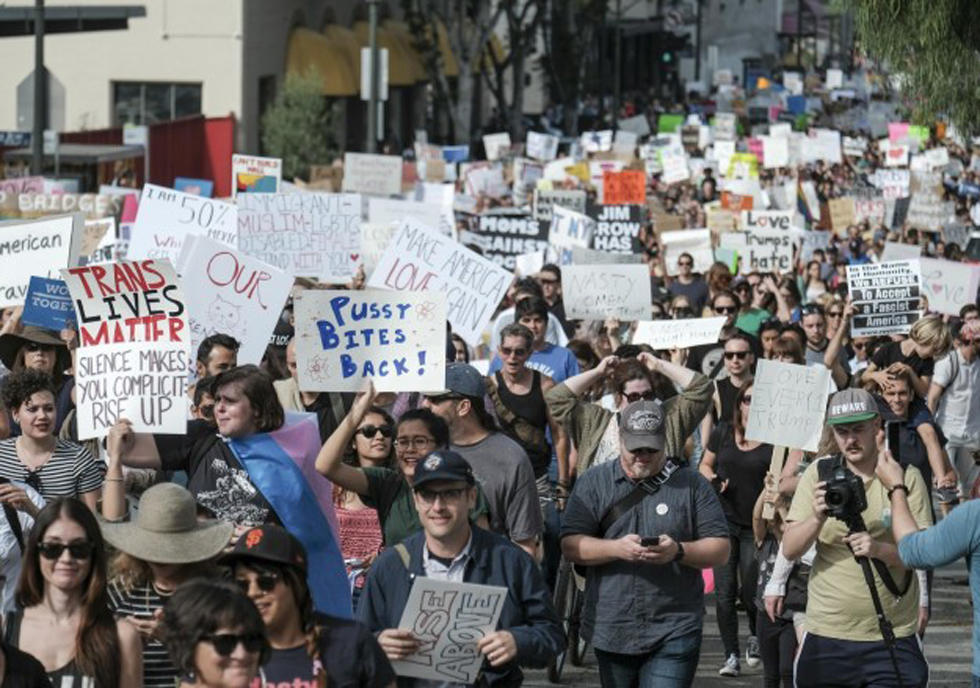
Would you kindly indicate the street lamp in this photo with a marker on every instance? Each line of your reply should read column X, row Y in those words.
column 372, row 142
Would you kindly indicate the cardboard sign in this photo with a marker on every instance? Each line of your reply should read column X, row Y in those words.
column 569, row 228
column 496, row 145
column 195, row 187
column 617, row 228
column 788, row 404
column 697, row 242
column 315, row 235
column 40, row 247
column 368, row 173
column 752, row 220
column 94, row 232
column 48, row 304
column 679, row 334
column 886, row 297
column 387, row 210
column 949, row 285
column 841, row 213
column 252, row 174
column 637, row 124
column 765, row 250
column 237, row 295
column 541, row 146
column 504, row 234
column 167, row 217
column 606, row 291
column 134, row 347
column 724, row 126
column 811, row 241
column 893, row 183
column 544, row 201
column 448, row 619
column 675, row 169
column 624, row 188
column 398, row 340
column 419, row 259
column 775, row 152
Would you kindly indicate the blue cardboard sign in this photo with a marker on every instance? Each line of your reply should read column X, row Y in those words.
column 456, row 153
column 48, row 304
column 195, row 187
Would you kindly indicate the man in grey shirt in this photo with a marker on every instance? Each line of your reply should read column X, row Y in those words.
column 500, row 464
column 644, row 526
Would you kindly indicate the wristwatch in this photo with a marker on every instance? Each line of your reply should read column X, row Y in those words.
column 680, row 552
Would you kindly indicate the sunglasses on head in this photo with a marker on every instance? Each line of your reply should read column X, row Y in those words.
column 53, row 550
column 371, row 431
column 812, row 309
column 740, row 355
column 225, row 643
column 509, row 351
column 265, row 581
column 633, row 397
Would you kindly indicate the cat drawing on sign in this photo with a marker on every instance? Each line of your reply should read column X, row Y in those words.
column 226, row 317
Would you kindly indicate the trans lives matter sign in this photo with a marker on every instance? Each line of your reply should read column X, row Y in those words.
column 134, row 347
column 607, row 291
column 886, row 297
column 398, row 340
column 448, row 619
column 420, row 259
column 788, row 404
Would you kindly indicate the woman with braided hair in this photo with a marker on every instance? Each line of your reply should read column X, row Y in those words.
column 308, row 648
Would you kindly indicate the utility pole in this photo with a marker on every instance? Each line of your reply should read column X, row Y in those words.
column 372, row 128
column 618, row 63
column 40, row 92
column 697, row 39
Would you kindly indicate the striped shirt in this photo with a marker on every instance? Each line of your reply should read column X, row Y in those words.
column 142, row 601
column 70, row 472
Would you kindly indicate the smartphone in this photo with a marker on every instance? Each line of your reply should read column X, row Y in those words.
column 893, row 430
column 650, row 541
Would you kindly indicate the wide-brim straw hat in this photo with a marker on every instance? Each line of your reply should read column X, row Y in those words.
column 10, row 344
column 166, row 529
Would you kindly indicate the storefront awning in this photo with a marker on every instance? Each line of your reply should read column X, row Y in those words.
column 344, row 38
column 311, row 51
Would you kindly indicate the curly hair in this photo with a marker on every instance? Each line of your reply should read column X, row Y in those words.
column 23, row 384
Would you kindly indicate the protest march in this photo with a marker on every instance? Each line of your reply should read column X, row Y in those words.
column 469, row 412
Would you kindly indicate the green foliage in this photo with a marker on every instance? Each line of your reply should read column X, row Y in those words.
column 297, row 127
column 933, row 44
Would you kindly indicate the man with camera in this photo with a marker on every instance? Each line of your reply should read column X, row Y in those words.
column 862, row 611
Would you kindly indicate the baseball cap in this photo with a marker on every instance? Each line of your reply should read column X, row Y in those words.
column 641, row 425
column 851, row 406
column 463, row 379
column 443, row 465
column 269, row 543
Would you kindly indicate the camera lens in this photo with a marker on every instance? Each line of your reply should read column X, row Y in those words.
column 833, row 498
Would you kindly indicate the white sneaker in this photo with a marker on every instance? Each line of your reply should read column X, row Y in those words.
column 731, row 667
column 752, row 656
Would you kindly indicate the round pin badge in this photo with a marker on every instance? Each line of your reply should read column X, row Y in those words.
column 661, row 509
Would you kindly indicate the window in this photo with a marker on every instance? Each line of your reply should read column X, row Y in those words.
column 148, row 103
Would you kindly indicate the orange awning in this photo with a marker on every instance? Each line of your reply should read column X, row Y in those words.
column 311, row 51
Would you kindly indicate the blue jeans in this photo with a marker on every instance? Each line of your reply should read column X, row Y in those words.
column 670, row 665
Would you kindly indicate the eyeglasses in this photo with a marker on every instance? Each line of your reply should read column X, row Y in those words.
column 725, row 309
column 812, row 309
column 633, row 397
column 747, row 399
column 440, row 398
column 835, row 314
column 35, row 346
column 77, row 550
column 414, row 442
column 225, row 643
column 686, row 263
column 740, row 355
column 451, row 494
column 508, row 351
column 206, row 410
column 265, row 581
column 371, row 431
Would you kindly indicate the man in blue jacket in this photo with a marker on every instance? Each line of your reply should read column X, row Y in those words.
column 450, row 548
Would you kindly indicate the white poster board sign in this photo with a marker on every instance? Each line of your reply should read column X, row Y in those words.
column 898, row 251
column 374, row 240
column 949, row 285
column 545, row 201
column 398, row 340
column 679, row 334
column 570, row 229
column 775, row 152
column 752, row 220
column 764, row 250
column 697, row 242
column 885, row 296
column 606, row 291
column 252, row 174
column 368, row 173
column 638, row 124
column 788, row 404
column 495, row 145
column 38, row 247
column 388, row 210
column 541, row 146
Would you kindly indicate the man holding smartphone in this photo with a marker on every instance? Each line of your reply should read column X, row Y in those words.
column 643, row 526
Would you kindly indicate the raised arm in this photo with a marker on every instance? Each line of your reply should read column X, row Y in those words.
column 114, row 490
column 329, row 462
column 579, row 384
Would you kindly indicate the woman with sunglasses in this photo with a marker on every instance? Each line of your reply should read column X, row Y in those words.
column 389, row 490
column 737, row 469
column 811, row 284
column 35, row 348
column 214, row 634
column 52, row 466
column 65, row 620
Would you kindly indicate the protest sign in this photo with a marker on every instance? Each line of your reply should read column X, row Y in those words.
column 835, row 79
column 48, row 304
column 668, row 123
column 896, row 155
column 949, row 285
column 678, row 334
column 596, row 141
column 19, row 185
column 420, row 259
column 387, row 210
column 767, row 219
column 725, row 126
column 453, row 154
column 541, row 146
column 893, row 183
column 927, row 209
column 252, row 174
column 765, row 250
column 314, row 235
column 530, row 264
column 617, row 228
column 697, row 242
column 606, row 291
column 719, row 219
column 569, row 228
column 134, row 347
column 793, row 82
column 624, row 188
column 544, row 201
column 368, row 173
column 854, row 147
column 448, row 620
column 39, row 247
column 841, row 213
column 195, row 187
column 505, row 233
column 870, row 209
column 885, row 296
column 743, row 166
column 37, row 205
column 788, row 404
column 167, row 217
column 239, row 295
column 398, row 340
column 588, row 256
column 638, row 125
column 374, row 240
column 93, row 233
column 775, row 152
column 896, row 251
column 811, row 241
column 496, row 145
column 675, row 167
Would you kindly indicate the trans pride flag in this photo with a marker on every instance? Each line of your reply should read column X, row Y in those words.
column 281, row 464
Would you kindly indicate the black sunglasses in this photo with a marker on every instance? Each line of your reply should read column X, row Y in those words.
column 725, row 309
column 686, row 263
column 508, row 351
column 35, row 346
column 439, row 398
column 740, row 355
column 370, row 431
column 225, row 643
column 633, row 397
column 265, row 581
column 53, row 550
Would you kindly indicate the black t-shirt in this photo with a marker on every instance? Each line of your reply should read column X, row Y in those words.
column 696, row 293
column 892, row 353
column 745, row 472
column 22, row 670
column 217, row 480
column 348, row 651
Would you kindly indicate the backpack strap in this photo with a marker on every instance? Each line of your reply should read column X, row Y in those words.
column 404, row 555
column 14, row 522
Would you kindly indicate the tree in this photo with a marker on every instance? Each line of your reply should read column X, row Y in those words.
column 523, row 19
column 933, row 44
column 298, row 126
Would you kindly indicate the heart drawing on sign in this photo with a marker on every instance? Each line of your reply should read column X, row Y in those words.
column 355, row 256
column 933, row 279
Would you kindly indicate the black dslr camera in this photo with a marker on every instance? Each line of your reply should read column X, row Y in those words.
column 845, row 496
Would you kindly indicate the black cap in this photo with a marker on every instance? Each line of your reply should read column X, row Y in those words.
column 443, row 465
column 269, row 543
